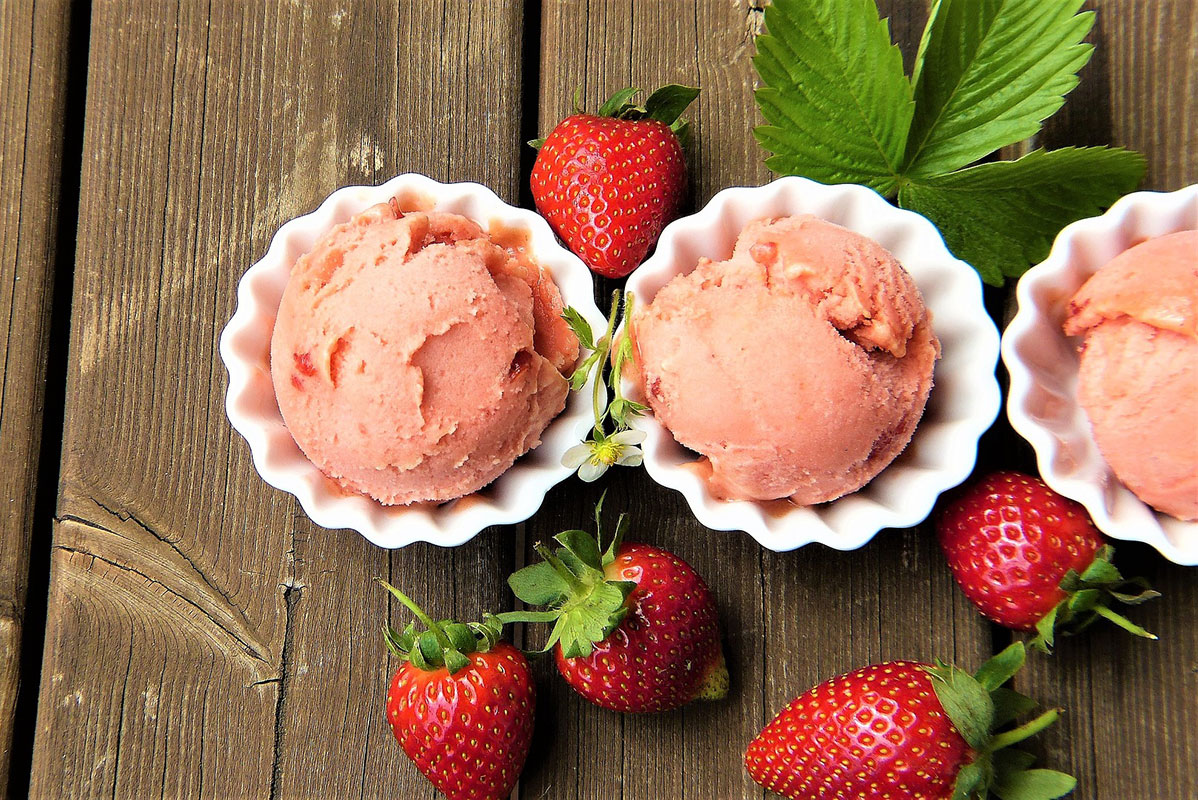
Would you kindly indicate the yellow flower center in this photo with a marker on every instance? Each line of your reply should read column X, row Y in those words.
column 606, row 452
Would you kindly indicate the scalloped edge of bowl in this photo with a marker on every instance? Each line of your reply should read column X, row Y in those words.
column 250, row 402
column 1042, row 363
column 965, row 398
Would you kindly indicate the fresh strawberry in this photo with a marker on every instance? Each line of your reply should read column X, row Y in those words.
column 1030, row 559
column 906, row 731
column 636, row 629
column 461, row 704
column 609, row 183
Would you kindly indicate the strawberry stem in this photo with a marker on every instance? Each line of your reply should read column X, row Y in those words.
column 604, row 347
column 437, row 630
column 1024, row 731
column 510, row 617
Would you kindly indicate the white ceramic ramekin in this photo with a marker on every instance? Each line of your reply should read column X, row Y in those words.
column 1042, row 361
column 964, row 400
column 254, row 413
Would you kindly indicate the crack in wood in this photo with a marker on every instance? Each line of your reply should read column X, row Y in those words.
column 754, row 19
column 254, row 652
column 127, row 516
column 291, row 594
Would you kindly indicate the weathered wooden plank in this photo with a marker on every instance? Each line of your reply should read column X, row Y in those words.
column 790, row 620
column 1140, row 90
column 33, row 76
column 443, row 99
column 590, row 753
column 1131, row 728
column 204, row 638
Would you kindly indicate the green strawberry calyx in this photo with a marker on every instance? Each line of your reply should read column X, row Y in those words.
column 1087, row 599
column 983, row 711
column 444, row 644
column 585, row 605
column 664, row 105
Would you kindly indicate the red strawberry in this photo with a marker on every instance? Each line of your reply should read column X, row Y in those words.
column 461, row 704
column 609, row 183
column 1031, row 559
column 636, row 628
column 903, row 730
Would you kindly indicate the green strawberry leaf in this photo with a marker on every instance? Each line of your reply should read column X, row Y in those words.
column 580, row 375
column 599, row 518
column 538, row 584
column 833, row 92
column 592, row 619
column 572, row 562
column 1009, row 704
column 1083, row 601
column 966, row 702
column 969, row 779
column 1010, row 760
column 1101, row 571
column 1123, row 622
column 580, row 327
column 682, row 129
column 460, row 636
column 999, row 669
column 396, row 641
column 609, row 555
column 1045, row 629
column 1035, row 784
column 582, row 546
column 430, row 648
column 1070, row 581
column 1145, row 594
column 617, row 102
column 987, row 73
column 1001, row 217
column 667, row 103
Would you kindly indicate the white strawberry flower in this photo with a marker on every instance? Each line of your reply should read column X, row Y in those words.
column 592, row 458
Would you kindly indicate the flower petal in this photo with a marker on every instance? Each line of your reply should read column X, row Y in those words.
column 629, row 437
column 576, row 456
column 632, row 458
column 592, row 470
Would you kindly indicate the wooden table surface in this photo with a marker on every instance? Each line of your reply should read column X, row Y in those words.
column 172, row 626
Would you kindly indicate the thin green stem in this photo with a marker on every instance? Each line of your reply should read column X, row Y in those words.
column 597, row 387
column 603, row 347
column 618, row 361
column 442, row 639
column 1008, row 738
column 509, row 617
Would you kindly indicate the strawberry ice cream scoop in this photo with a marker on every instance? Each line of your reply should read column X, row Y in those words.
column 414, row 358
column 798, row 368
column 1138, row 378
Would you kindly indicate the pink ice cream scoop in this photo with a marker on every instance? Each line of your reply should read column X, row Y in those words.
column 1138, row 379
column 415, row 358
column 798, row 368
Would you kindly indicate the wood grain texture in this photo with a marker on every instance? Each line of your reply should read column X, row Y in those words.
column 33, row 73
column 790, row 619
column 1140, row 89
column 204, row 638
column 1131, row 723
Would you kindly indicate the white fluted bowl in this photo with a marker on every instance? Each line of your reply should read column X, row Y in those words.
column 250, row 403
column 1043, row 364
column 964, row 400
